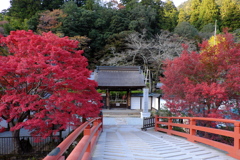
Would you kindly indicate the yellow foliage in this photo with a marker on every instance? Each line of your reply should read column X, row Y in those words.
column 209, row 52
column 212, row 48
column 215, row 40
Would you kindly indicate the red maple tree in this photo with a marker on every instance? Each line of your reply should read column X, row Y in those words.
column 205, row 84
column 44, row 82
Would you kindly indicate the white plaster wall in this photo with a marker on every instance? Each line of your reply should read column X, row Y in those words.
column 135, row 103
column 155, row 103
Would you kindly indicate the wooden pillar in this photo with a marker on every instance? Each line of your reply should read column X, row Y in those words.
column 108, row 99
column 129, row 99
column 151, row 102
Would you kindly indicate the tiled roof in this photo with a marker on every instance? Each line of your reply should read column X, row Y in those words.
column 119, row 76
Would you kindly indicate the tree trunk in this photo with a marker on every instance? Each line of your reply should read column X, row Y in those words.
column 16, row 133
column 16, row 141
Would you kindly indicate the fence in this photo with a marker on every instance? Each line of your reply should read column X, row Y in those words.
column 192, row 130
column 29, row 144
column 148, row 122
column 91, row 131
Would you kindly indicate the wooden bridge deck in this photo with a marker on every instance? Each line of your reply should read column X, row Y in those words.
column 122, row 139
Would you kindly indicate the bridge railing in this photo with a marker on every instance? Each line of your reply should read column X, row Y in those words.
column 192, row 129
column 91, row 130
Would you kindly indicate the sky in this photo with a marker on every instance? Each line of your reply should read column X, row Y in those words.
column 5, row 4
column 176, row 2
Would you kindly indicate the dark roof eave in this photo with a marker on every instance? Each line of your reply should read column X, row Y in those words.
column 120, row 88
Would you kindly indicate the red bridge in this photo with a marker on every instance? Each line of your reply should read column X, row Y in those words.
column 165, row 141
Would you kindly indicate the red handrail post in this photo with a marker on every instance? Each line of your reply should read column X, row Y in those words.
column 156, row 124
column 101, row 121
column 169, row 125
column 87, row 132
column 192, row 130
column 236, row 151
column 95, row 123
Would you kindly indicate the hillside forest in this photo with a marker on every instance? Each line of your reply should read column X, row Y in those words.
column 126, row 32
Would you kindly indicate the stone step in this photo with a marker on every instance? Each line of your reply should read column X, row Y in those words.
column 121, row 113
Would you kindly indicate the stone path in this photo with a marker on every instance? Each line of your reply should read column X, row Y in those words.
column 122, row 139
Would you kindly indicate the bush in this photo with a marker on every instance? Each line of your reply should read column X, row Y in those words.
column 185, row 29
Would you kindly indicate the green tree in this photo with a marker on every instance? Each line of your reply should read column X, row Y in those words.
column 93, row 24
column 79, row 3
column 80, row 22
column 51, row 4
column 102, row 22
column 131, row 4
column 24, row 9
column 14, row 24
column 230, row 14
column 236, row 34
column 185, row 29
column 69, row 7
column 207, row 31
column 210, row 27
column 158, row 6
column 142, row 17
column 89, row 4
column 34, row 21
column 1, row 17
column 170, row 15
column 194, row 12
column 182, row 16
column 119, row 22
column 209, row 12
column 125, row 2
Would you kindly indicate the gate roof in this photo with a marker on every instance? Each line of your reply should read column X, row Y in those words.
column 119, row 77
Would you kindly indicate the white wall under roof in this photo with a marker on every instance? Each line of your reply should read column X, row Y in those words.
column 136, row 103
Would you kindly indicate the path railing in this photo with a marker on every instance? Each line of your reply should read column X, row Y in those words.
column 29, row 144
column 192, row 131
column 82, row 151
column 148, row 122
